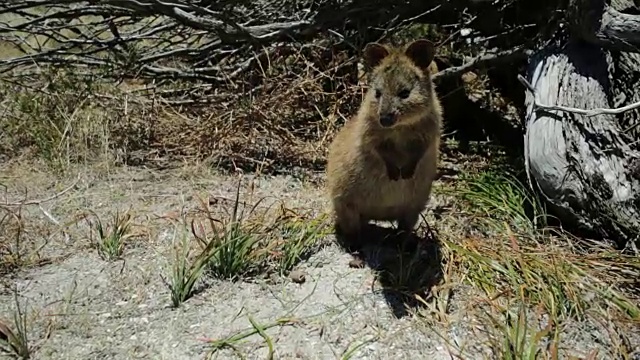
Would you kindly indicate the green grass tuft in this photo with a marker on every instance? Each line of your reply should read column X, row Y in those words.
column 232, row 341
column 259, row 241
column 502, row 197
column 301, row 237
column 243, row 244
column 185, row 273
column 111, row 239
column 14, row 341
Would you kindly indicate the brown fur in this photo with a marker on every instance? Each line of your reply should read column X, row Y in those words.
column 433, row 69
column 377, row 172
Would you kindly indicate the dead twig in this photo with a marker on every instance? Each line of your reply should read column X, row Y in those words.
column 41, row 201
column 483, row 60
column 591, row 112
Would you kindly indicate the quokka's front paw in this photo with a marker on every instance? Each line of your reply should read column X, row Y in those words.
column 407, row 172
column 393, row 173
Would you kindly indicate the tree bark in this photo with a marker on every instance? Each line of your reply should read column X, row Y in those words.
column 588, row 168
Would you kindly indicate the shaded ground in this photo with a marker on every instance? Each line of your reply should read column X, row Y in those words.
column 80, row 306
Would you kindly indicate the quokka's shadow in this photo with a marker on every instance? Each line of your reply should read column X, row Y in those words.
column 406, row 265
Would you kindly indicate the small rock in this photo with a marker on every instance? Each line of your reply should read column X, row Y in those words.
column 274, row 278
column 297, row 276
column 357, row 263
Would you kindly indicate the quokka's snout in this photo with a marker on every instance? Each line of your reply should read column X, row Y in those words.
column 388, row 119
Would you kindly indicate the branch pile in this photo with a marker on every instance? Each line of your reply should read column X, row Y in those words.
column 255, row 84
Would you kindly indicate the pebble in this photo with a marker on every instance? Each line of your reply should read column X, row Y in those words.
column 356, row 262
column 297, row 276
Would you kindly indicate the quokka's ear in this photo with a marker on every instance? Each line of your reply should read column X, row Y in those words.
column 374, row 53
column 421, row 52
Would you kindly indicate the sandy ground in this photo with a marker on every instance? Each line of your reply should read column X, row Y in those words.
column 82, row 307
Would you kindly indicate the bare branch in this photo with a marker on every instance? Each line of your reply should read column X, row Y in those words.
column 220, row 43
column 41, row 201
column 483, row 60
column 588, row 113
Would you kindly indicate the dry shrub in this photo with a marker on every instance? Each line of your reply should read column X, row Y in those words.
column 63, row 117
column 21, row 241
column 280, row 115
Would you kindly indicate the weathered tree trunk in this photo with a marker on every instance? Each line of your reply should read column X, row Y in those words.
column 588, row 168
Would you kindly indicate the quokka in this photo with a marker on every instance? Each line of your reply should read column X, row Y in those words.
column 382, row 163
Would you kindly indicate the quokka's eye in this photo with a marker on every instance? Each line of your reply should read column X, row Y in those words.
column 404, row 94
column 378, row 94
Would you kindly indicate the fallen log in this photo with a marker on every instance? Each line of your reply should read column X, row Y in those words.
column 582, row 152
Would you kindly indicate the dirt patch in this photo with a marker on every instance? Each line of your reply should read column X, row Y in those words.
column 80, row 306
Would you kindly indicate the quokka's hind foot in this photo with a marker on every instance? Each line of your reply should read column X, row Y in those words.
column 406, row 225
column 349, row 229
column 350, row 240
column 408, row 221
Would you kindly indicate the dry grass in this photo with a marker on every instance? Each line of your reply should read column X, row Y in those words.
column 65, row 119
column 548, row 276
column 232, row 341
column 14, row 339
column 529, row 282
column 285, row 119
column 11, row 236
column 21, row 241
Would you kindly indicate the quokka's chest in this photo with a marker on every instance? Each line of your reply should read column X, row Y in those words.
column 400, row 194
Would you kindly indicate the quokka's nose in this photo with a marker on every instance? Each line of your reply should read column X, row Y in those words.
column 387, row 120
